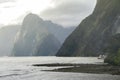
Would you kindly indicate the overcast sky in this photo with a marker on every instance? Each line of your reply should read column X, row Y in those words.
column 63, row 12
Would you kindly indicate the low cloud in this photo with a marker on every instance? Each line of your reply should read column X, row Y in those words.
column 69, row 12
column 63, row 12
column 3, row 1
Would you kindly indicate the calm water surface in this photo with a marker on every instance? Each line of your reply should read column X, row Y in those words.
column 19, row 68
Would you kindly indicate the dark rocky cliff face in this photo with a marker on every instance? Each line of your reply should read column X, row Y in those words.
column 34, row 39
column 92, row 35
column 113, row 50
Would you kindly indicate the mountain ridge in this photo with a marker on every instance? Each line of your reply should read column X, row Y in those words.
column 92, row 34
column 33, row 37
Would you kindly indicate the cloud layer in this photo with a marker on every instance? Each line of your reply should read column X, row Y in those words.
column 69, row 12
column 64, row 12
column 3, row 1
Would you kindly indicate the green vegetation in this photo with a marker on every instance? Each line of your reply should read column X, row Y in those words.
column 113, row 50
column 92, row 35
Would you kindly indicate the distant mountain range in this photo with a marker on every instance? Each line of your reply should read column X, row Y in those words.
column 59, row 31
column 34, row 39
column 8, row 33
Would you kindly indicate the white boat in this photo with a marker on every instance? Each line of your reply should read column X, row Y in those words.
column 101, row 57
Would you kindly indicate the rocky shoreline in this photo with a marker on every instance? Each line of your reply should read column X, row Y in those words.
column 84, row 68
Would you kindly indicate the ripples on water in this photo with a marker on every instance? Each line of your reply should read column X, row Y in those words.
column 19, row 68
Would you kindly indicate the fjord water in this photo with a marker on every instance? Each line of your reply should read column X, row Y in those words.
column 20, row 68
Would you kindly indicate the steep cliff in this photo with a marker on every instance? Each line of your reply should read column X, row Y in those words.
column 60, row 32
column 34, row 39
column 7, row 35
column 92, row 35
column 113, row 50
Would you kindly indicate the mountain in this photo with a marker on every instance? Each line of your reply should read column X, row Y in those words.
column 34, row 39
column 59, row 31
column 113, row 50
column 7, row 35
column 91, row 36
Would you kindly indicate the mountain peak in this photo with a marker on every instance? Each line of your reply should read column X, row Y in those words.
column 32, row 18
